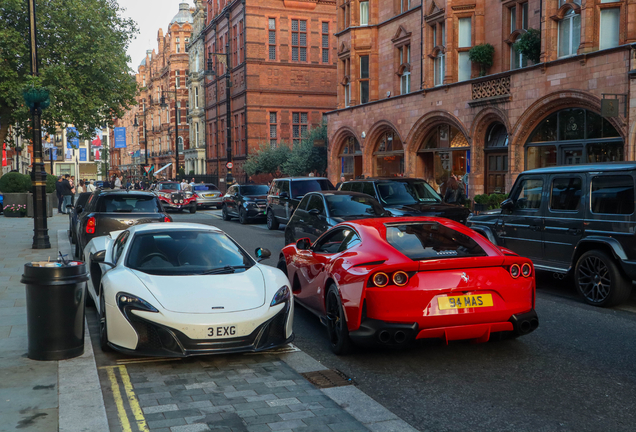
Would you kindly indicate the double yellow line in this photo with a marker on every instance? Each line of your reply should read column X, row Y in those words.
column 130, row 396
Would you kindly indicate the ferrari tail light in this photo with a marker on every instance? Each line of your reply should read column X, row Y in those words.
column 400, row 278
column 90, row 226
column 167, row 218
column 515, row 270
column 380, row 279
column 526, row 270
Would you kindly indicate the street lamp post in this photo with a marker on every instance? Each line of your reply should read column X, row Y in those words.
column 136, row 124
column 40, row 229
column 228, row 102
column 177, row 114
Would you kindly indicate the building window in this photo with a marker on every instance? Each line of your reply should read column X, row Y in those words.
column 405, row 5
column 299, row 126
column 177, row 79
column 517, row 60
column 273, row 129
column 405, row 66
column 196, row 134
column 347, row 81
column 299, row 40
column 610, row 25
column 464, row 40
column 364, row 79
column 240, row 47
column 325, row 42
column 439, row 57
column 243, row 134
column 237, row 136
column 144, row 81
column 181, row 144
column 196, row 97
column 364, row 13
column 272, row 39
column 178, row 112
column 569, row 34
column 345, row 12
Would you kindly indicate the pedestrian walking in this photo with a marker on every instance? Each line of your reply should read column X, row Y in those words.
column 58, row 193
column 67, row 193
column 80, row 188
column 90, row 187
column 455, row 193
column 117, row 183
column 342, row 180
column 192, row 183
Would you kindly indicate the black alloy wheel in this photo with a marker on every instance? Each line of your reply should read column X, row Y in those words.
column 272, row 223
column 242, row 216
column 225, row 214
column 600, row 281
column 103, row 329
column 336, row 323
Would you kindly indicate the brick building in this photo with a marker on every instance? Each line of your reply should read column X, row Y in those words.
column 163, row 98
column 283, row 74
column 411, row 103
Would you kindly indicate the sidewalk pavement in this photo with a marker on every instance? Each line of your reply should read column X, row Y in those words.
column 246, row 393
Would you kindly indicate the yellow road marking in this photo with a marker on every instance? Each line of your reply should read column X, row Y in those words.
column 121, row 411
column 132, row 400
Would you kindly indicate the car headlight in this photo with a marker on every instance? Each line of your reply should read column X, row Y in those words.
column 128, row 302
column 188, row 194
column 281, row 296
column 250, row 204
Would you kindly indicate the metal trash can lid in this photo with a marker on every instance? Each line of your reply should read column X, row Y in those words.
column 54, row 273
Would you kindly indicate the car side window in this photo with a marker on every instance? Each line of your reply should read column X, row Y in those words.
column 565, row 194
column 284, row 186
column 357, row 187
column 118, row 247
column 317, row 203
column 528, row 193
column 303, row 203
column 330, row 243
column 345, row 187
column 350, row 241
column 274, row 189
column 613, row 194
column 368, row 189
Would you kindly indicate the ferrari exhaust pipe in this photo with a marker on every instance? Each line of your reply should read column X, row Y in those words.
column 399, row 337
column 534, row 323
column 384, row 336
column 525, row 326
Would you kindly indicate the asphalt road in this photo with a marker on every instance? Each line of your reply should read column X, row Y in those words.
column 576, row 372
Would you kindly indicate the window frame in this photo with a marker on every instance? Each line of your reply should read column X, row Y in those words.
column 298, row 46
column 367, row 14
column 366, row 79
column 273, row 142
column 324, row 49
column 271, row 45
column 563, row 177
column 301, row 133
column 516, row 192
column 569, row 16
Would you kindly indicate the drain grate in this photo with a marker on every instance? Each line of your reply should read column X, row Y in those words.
column 328, row 378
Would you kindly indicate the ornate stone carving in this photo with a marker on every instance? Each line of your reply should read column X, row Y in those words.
column 491, row 88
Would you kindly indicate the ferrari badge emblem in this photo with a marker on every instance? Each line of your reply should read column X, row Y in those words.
column 465, row 277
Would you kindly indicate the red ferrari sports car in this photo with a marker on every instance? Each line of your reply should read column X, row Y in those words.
column 389, row 281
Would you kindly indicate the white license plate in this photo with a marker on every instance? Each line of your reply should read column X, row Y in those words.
column 221, row 331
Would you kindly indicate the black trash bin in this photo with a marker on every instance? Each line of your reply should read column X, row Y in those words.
column 55, row 309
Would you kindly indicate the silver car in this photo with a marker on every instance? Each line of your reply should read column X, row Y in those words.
column 208, row 195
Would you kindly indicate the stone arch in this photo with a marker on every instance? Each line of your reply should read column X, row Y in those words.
column 547, row 105
column 371, row 141
column 334, row 149
column 426, row 123
column 479, row 126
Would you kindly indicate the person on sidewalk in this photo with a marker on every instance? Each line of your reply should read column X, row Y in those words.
column 67, row 193
column 58, row 192
column 90, row 186
column 117, row 183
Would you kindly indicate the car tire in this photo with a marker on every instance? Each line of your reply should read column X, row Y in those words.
column 337, row 330
column 272, row 223
column 600, row 281
column 77, row 252
column 89, row 300
column 242, row 216
column 193, row 209
column 226, row 216
column 282, row 265
column 103, row 329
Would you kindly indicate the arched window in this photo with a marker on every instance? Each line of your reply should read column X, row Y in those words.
column 572, row 136
column 496, row 157
column 351, row 159
column 389, row 155
column 569, row 34
column 444, row 151
column 180, row 144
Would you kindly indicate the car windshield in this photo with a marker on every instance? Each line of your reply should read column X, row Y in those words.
column 302, row 187
column 169, row 186
column 404, row 193
column 82, row 199
column 186, row 252
column 126, row 203
column 205, row 187
column 353, row 205
column 431, row 240
column 254, row 190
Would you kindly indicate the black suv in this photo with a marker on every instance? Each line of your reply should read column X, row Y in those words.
column 247, row 202
column 407, row 197
column 286, row 193
column 576, row 220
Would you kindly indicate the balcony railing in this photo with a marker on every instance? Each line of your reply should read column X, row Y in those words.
column 493, row 88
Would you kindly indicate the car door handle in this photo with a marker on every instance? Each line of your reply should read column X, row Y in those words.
column 574, row 231
column 535, row 227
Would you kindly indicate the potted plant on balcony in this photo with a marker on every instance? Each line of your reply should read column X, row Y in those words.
column 15, row 210
column 482, row 55
column 529, row 45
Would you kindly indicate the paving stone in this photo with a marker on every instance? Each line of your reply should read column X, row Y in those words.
column 297, row 415
column 347, row 427
column 160, row 409
column 262, row 419
column 289, row 401
column 258, row 428
column 157, row 396
column 234, row 394
column 190, row 428
column 284, row 383
column 274, row 409
column 246, row 413
column 260, row 398
column 182, row 413
column 166, row 423
column 154, row 417
column 197, row 404
column 289, row 424
column 178, row 399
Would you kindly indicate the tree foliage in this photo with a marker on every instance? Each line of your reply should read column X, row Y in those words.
column 529, row 45
column 267, row 160
column 482, row 55
column 82, row 54
column 14, row 182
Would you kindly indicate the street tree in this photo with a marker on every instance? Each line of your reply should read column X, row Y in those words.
column 267, row 160
column 83, row 63
column 307, row 157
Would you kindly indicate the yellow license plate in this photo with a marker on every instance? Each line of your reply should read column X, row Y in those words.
column 466, row 301
column 208, row 195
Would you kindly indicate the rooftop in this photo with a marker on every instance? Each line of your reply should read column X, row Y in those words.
column 184, row 15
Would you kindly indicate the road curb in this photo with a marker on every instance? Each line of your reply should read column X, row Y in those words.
column 353, row 400
column 81, row 404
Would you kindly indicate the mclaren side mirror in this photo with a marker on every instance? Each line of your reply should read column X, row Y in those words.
column 303, row 244
column 100, row 257
column 262, row 254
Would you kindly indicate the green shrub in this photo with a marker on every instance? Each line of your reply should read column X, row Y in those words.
column 492, row 201
column 482, row 55
column 50, row 183
column 14, row 182
column 481, row 199
column 529, row 45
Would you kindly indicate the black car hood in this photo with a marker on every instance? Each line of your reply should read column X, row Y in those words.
column 450, row 211
column 255, row 197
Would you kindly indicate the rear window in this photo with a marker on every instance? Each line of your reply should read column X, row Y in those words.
column 431, row 240
column 397, row 192
column 254, row 190
column 205, row 187
column 124, row 203
column 353, row 205
column 169, row 186
column 613, row 194
column 301, row 188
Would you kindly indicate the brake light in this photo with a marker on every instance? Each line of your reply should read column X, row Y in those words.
column 380, row 279
column 167, row 218
column 400, row 278
column 90, row 226
column 515, row 270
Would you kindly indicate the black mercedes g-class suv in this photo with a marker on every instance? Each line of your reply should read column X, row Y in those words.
column 285, row 195
column 575, row 220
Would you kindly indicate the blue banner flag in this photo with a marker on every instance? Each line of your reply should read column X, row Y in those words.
column 120, row 137
column 72, row 142
column 82, row 155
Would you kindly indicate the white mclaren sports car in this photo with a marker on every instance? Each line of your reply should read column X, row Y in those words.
column 183, row 289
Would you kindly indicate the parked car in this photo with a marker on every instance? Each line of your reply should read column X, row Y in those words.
column 113, row 210
column 247, row 202
column 407, row 197
column 73, row 215
column 173, row 198
column 389, row 281
column 99, row 184
column 178, row 290
column 1, row 203
column 286, row 193
column 577, row 220
column 319, row 211
column 208, row 195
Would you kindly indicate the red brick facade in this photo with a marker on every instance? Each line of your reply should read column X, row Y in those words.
column 451, row 118
column 283, row 74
